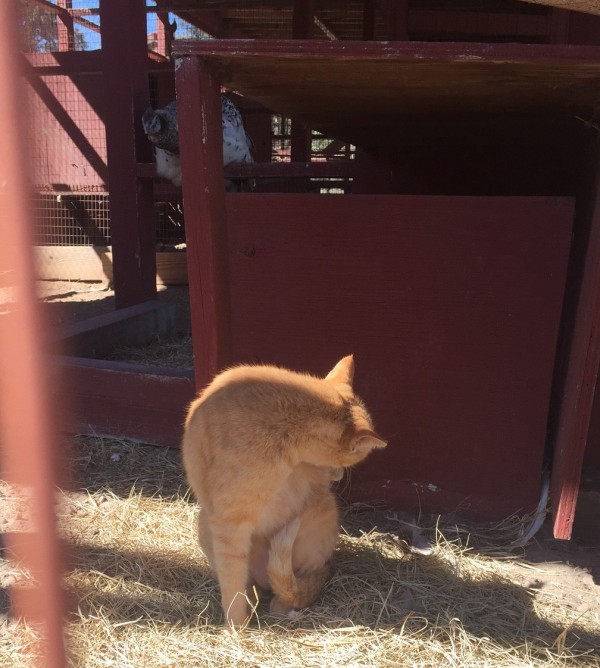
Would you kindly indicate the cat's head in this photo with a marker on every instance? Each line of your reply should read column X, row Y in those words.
column 358, row 437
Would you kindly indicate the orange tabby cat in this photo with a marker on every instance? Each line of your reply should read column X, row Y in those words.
column 260, row 448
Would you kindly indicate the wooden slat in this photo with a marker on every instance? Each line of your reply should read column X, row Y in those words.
column 123, row 400
column 353, row 50
column 395, row 88
column 199, row 117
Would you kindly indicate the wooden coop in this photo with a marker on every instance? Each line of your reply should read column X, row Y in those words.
column 431, row 207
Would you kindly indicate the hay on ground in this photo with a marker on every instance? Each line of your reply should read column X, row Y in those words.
column 145, row 596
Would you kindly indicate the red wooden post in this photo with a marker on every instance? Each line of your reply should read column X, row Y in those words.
column 124, row 55
column 164, row 33
column 398, row 20
column 66, row 30
column 303, row 19
column 26, row 426
column 580, row 382
column 300, row 135
column 201, row 145
column 369, row 10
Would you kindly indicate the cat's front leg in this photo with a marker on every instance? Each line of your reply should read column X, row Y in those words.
column 231, row 549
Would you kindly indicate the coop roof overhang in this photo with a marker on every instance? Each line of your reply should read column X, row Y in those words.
column 385, row 93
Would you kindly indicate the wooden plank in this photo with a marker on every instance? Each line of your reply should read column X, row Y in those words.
column 451, row 306
column 199, row 117
column 398, row 19
column 76, row 62
column 123, row 400
column 131, row 200
column 368, row 19
column 94, row 263
column 580, row 380
column 303, row 19
column 352, row 50
column 396, row 87
column 29, row 452
column 132, row 326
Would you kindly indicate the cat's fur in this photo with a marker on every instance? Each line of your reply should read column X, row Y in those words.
column 260, row 448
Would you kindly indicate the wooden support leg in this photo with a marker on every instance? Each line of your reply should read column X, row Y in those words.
column 124, row 54
column 199, row 117
column 577, row 396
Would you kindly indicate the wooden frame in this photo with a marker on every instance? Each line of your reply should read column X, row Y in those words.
column 205, row 59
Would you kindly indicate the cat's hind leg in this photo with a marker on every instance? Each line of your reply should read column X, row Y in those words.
column 231, row 550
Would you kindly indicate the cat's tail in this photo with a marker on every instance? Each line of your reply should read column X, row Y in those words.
column 292, row 591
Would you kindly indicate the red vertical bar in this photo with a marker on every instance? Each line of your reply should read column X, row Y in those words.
column 398, row 20
column 163, row 32
column 201, row 146
column 303, row 19
column 125, row 56
column 300, row 136
column 577, row 397
column 26, row 427
column 66, row 29
column 369, row 9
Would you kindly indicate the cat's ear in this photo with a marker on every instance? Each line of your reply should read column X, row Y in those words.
column 366, row 440
column 343, row 371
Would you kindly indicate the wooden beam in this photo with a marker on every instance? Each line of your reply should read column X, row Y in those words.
column 450, row 52
column 199, row 117
column 125, row 400
column 369, row 14
column 577, row 394
column 131, row 200
column 66, row 30
column 303, row 19
column 397, row 11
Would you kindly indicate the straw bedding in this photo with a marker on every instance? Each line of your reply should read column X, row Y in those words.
column 143, row 594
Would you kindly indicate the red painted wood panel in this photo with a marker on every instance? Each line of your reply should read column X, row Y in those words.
column 199, row 118
column 67, row 138
column 127, row 400
column 451, row 306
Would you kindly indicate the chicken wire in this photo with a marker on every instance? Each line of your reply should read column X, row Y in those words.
column 67, row 139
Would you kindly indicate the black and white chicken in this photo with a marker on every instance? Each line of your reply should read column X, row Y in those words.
column 162, row 130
